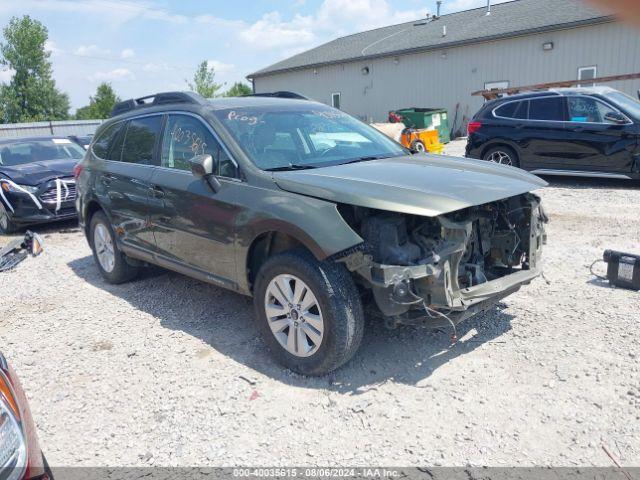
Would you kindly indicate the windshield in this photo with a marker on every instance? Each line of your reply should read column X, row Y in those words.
column 27, row 151
column 627, row 103
column 304, row 136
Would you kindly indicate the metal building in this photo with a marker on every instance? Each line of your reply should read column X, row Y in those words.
column 439, row 61
column 58, row 127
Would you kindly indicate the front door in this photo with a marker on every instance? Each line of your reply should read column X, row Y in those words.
column 194, row 226
column 594, row 141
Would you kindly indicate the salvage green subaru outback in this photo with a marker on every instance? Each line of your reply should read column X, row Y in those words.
column 319, row 217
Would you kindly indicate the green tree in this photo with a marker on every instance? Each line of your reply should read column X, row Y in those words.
column 31, row 95
column 204, row 81
column 100, row 105
column 238, row 89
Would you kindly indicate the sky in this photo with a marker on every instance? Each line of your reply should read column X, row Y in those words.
column 145, row 46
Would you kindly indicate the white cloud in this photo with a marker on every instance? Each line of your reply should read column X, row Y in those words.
column 91, row 51
column 113, row 12
column 332, row 19
column 51, row 47
column 111, row 75
column 271, row 31
column 6, row 75
column 357, row 15
column 127, row 53
column 218, row 22
column 221, row 67
column 155, row 67
column 458, row 5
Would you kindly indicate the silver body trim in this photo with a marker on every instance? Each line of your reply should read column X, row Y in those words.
column 577, row 173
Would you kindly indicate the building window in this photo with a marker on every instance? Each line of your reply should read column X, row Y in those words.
column 587, row 73
column 496, row 86
column 335, row 100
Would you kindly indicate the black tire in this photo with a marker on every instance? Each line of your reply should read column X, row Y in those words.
column 7, row 227
column 122, row 271
column 418, row 146
column 338, row 300
column 492, row 153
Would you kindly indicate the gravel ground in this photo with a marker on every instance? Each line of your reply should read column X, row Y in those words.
column 170, row 371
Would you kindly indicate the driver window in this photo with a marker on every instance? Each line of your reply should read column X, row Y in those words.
column 584, row 109
column 186, row 137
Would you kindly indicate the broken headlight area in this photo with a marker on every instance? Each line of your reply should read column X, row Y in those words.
column 459, row 263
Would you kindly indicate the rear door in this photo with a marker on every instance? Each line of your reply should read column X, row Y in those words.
column 595, row 143
column 122, row 184
column 194, row 226
column 543, row 133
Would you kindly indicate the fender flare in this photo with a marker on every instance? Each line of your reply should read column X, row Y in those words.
column 276, row 225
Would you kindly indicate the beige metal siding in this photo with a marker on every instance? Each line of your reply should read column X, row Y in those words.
column 429, row 80
column 59, row 127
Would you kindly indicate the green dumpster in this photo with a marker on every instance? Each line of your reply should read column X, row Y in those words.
column 427, row 118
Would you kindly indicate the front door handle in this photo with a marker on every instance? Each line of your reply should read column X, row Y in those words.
column 156, row 192
column 107, row 180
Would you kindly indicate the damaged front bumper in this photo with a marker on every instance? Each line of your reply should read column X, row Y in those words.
column 410, row 294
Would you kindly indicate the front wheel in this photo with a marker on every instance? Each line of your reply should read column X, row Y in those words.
column 503, row 156
column 111, row 261
column 308, row 312
column 7, row 227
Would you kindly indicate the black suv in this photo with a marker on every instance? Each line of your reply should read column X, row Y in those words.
column 316, row 215
column 593, row 132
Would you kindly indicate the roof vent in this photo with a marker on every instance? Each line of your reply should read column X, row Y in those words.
column 438, row 7
column 488, row 7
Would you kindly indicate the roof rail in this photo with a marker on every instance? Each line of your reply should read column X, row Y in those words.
column 280, row 94
column 163, row 98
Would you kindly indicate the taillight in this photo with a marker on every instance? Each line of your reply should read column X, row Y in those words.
column 77, row 170
column 13, row 444
column 473, row 127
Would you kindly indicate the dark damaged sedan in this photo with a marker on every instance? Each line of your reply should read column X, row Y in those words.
column 316, row 215
column 36, row 181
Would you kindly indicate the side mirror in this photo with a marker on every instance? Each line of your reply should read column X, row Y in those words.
column 615, row 117
column 204, row 166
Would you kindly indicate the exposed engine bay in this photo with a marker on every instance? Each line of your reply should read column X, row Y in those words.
column 448, row 263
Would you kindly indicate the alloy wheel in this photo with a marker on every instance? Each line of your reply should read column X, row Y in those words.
column 294, row 316
column 4, row 218
column 104, row 247
column 500, row 157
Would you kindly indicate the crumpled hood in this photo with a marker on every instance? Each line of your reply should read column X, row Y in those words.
column 37, row 172
column 427, row 185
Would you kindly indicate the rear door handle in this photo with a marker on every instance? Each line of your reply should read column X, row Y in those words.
column 156, row 192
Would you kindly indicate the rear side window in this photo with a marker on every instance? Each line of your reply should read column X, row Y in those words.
column 551, row 109
column 104, row 139
column 140, row 140
column 513, row 110
column 108, row 145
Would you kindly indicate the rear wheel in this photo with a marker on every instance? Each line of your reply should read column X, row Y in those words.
column 6, row 225
column 309, row 312
column 502, row 155
column 111, row 261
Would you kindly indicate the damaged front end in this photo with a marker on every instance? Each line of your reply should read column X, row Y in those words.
column 449, row 267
